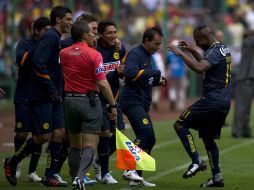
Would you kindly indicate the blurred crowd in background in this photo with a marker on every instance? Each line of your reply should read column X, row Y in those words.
column 178, row 18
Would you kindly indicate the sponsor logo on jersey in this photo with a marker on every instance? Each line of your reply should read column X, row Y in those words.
column 224, row 51
column 111, row 66
column 100, row 69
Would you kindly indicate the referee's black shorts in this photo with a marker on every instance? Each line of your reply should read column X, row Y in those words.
column 203, row 117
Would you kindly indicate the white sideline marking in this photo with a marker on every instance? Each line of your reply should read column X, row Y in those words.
column 178, row 168
column 8, row 144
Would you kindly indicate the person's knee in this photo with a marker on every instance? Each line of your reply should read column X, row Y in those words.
column 177, row 127
column 21, row 136
column 146, row 140
column 105, row 133
column 58, row 134
column 41, row 139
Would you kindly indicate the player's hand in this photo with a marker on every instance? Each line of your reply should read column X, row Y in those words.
column 163, row 81
column 174, row 49
column 56, row 98
column 2, row 93
column 113, row 114
column 185, row 45
column 118, row 45
column 120, row 70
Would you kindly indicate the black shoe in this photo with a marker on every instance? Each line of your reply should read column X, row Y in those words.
column 212, row 183
column 194, row 168
column 52, row 182
column 78, row 184
column 10, row 172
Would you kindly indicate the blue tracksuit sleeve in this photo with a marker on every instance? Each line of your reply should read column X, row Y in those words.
column 22, row 52
column 134, row 70
column 41, row 63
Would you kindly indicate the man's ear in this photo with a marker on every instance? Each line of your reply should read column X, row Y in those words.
column 85, row 35
column 58, row 20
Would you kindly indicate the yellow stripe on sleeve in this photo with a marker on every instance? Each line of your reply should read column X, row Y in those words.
column 24, row 58
column 138, row 75
column 42, row 75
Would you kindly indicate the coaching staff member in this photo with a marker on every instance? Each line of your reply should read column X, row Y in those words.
column 208, row 114
column 83, row 72
column 136, row 96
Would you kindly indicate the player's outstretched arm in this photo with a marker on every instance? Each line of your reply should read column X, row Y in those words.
column 198, row 65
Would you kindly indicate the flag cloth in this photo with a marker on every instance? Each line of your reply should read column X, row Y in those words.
column 131, row 157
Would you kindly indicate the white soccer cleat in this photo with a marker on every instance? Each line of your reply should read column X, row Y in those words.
column 59, row 177
column 108, row 179
column 142, row 183
column 97, row 169
column 33, row 177
column 132, row 175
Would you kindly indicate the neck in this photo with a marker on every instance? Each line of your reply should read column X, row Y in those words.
column 57, row 27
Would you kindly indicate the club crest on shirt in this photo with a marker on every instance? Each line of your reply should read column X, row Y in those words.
column 116, row 55
column 45, row 126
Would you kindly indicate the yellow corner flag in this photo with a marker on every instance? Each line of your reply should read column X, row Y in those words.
column 131, row 157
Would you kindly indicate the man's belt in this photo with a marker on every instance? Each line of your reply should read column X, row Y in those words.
column 76, row 94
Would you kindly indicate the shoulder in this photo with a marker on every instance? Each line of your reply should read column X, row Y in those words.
column 67, row 42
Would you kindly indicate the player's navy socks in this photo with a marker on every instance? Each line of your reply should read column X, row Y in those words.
column 112, row 144
column 213, row 156
column 103, row 154
column 53, row 153
column 188, row 143
column 26, row 149
column 34, row 159
column 18, row 142
column 63, row 155
column 140, row 172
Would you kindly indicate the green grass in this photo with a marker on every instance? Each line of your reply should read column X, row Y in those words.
column 236, row 159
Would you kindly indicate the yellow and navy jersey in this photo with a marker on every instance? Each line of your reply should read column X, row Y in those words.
column 24, row 53
column 140, row 77
column 217, row 79
column 47, row 76
column 111, row 60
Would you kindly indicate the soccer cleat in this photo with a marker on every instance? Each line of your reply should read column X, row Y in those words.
column 194, row 168
column 78, row 184
column 132, row 175
column 59, row 177
column 52, row 182
column 97, row 169
column 108, row 179
column 88, row 181
column 10, row 172
column 142, row 183
column 212, row 183
column 33, row 177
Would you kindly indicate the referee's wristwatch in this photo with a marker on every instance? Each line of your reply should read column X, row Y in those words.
column 113, row 106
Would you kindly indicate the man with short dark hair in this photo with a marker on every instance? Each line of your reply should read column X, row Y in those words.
column 23, row 124
column 136, row 96
column 113, row 62
column 45, row 94
column 83, row 72
column 207, row 115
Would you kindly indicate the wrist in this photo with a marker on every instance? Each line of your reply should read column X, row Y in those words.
column 113, row 105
